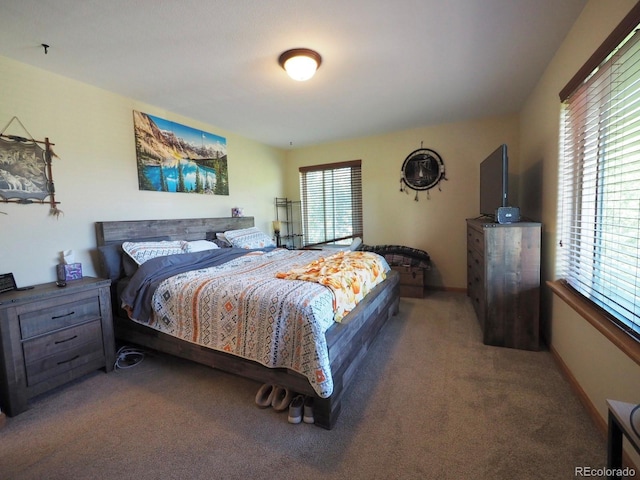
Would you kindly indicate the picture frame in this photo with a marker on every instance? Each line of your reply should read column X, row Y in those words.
column 176, row 158
column 23, row 170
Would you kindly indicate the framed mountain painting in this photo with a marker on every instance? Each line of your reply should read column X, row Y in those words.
column 175, row 158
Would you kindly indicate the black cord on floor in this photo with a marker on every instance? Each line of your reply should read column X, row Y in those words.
column 127, row 357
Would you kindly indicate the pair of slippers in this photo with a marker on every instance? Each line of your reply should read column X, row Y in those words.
column 281, row 398
column 274, row 396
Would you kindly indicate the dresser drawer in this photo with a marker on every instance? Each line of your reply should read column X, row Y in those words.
column 475, row 288
column 42, row 317
column 52, row 354
column 479, row 307
column 475, row 280
column 475, row 239
column 475, row 263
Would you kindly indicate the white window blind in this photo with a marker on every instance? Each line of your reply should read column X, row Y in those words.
column 331, row 202
column 599, row 186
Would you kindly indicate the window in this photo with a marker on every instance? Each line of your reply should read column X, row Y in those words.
column 331, row 202
column 599, row 179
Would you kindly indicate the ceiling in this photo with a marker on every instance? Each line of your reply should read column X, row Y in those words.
column 386, row 65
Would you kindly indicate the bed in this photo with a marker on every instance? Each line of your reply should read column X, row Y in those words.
column 347, row 341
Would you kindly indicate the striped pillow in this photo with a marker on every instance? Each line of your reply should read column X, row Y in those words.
column 249, row 238
column 140, row 252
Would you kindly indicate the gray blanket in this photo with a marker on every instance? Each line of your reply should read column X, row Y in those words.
column 139, row 292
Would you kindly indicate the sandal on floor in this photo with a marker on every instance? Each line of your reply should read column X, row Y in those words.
column 265, row 395
column 281, row 399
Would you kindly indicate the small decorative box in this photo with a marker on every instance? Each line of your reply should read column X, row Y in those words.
column 71, row 271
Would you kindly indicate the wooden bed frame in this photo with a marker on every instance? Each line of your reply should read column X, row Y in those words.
column 348, row 342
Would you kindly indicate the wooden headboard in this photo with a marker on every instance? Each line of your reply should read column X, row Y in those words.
column 178, row 229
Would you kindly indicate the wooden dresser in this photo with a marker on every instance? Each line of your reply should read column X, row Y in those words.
column 503, row 281
column 51, row 335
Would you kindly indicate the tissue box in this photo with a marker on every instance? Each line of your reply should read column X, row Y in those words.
column 71, row 271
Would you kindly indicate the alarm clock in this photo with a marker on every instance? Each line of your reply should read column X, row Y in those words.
column 7, row 282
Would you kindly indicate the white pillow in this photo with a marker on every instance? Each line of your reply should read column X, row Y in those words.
column 250, row 237
column 355, row 244
column 140, row 252
column 201, row 245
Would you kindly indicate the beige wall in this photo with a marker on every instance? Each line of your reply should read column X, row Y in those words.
column 96, row 175
column 599, row 367
column 435, row 224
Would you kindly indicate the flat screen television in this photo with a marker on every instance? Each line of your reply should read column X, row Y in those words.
column 494, row 182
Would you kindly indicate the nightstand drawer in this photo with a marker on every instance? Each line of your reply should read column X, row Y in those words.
column 42, row 317
column 50, row 355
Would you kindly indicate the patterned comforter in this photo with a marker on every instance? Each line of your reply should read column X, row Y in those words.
column 242, row 308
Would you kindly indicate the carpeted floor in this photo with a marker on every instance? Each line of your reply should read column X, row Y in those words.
column 432, row 403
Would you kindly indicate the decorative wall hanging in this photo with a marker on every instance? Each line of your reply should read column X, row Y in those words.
column 422, row 170
column 25, row 170
column 175, row 158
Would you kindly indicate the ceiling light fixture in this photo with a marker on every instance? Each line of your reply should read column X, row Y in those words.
column 300, row 63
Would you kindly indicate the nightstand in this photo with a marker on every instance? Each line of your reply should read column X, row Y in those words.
column 51, row 335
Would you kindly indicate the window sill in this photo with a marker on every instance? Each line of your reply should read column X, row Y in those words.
column 595, row 317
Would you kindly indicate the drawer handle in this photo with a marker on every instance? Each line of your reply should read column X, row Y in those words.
column 70, row 360
column 62, row 316
column 62, row 341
